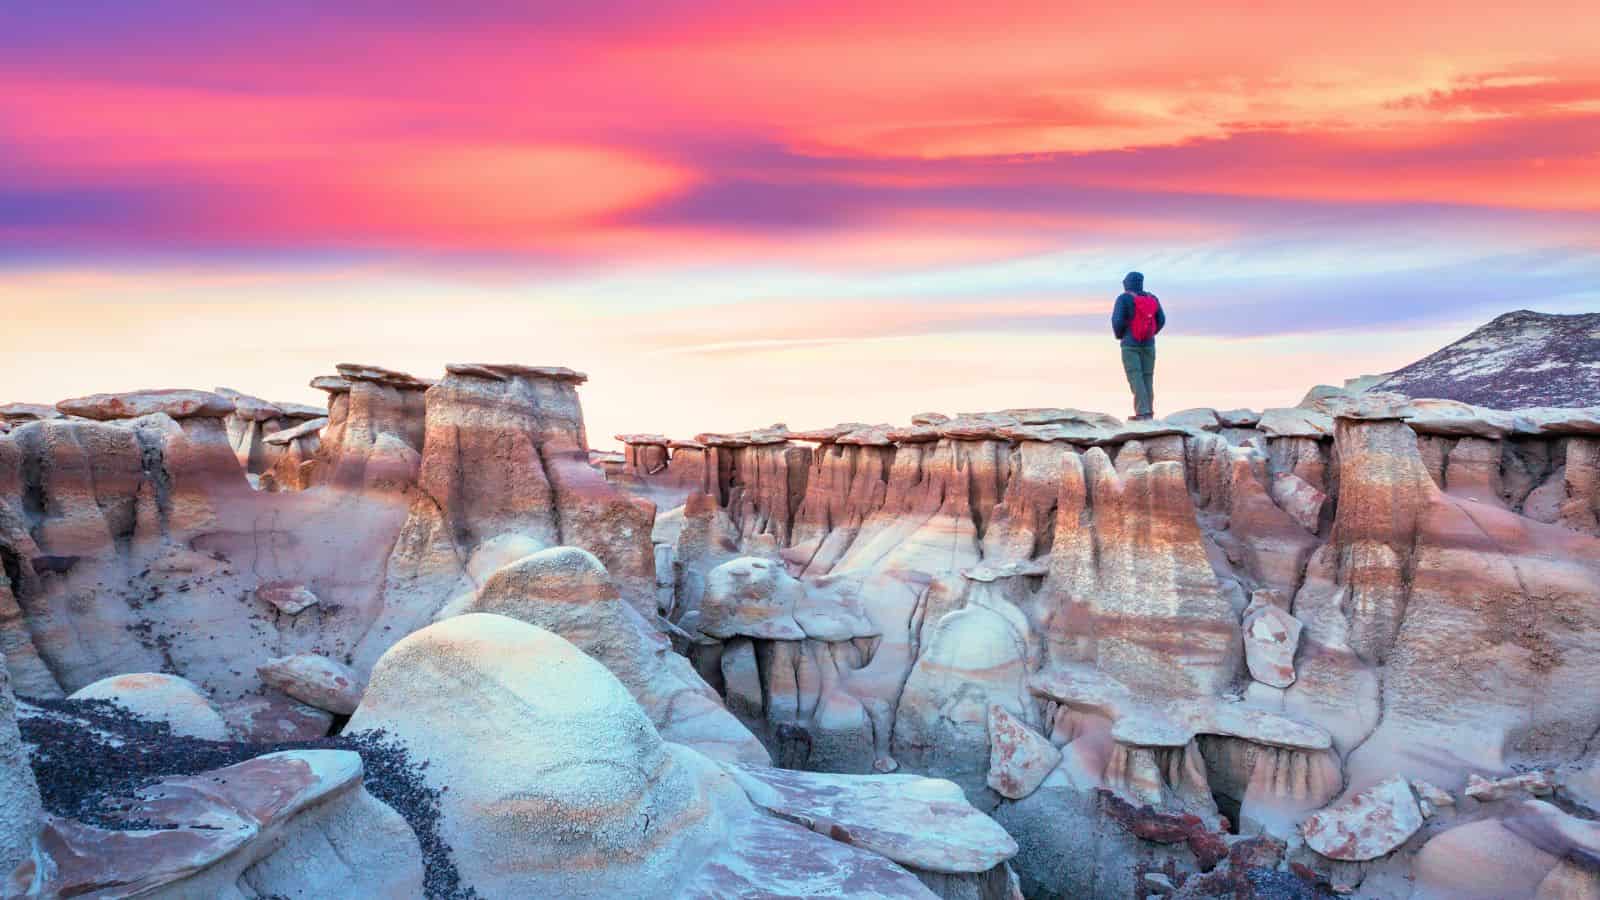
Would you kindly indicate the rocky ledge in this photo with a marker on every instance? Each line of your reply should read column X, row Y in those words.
column 427, row 642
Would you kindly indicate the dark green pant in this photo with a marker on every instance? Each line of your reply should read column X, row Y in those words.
column 1140, row 364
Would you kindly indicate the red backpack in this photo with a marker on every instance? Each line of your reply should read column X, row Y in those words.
column 1143, row 326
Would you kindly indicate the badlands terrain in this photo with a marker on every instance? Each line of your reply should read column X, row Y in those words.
column 423, row 641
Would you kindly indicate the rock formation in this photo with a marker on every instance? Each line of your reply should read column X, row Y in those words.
column 168, row 699
column 20, row 811
column 1229, row 619
column 1520, row 359
column 1346, row 646
column 559, row 785
column 296, row 822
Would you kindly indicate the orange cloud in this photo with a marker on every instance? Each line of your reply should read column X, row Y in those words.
column 523, row 131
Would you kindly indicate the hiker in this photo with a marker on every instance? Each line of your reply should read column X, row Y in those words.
column 1136, row 320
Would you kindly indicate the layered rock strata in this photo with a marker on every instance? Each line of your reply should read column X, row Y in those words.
column 559, row 785
column 1241, row 617
column 1228, row 650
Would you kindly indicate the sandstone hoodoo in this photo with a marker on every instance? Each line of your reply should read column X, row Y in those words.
column 427, row 641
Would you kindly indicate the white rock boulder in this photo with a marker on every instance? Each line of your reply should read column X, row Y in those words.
column 558, row 784
column 158, row 697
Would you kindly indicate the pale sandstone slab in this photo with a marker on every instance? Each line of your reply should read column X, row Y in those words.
column 205, row 831
column 828, row 434
column 1019, row 757
column 1282, row 422
column 1536, row 783
column 289, row 435
column 915, row 434
column 1453, row 419
column 771, row 857
column 1371, row 407
column 28, row 412
column 772, row 434
column 1553, row 421
column 249, row 408
column 314, row 679
column 1371, row 824
column 508, row 371
column 976, row 426
column 642, row 438
column 867, row 436
column 381, row 375
column 988, row 573
column 178, row 403
column 921, row 822
column 333, row 384
column 1082, row 433
column 1432, row 794
column 299, row 412
column 1060, row 415
column 1147, row 722
column 1202, row 418
column 1143, row 431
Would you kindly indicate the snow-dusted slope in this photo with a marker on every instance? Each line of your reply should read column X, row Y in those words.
column 1520, row 359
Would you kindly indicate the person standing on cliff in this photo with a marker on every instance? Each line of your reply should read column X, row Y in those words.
column 1136, row 320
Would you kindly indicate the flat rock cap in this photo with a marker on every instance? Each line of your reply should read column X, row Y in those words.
column 828, row 434
column 772, row 434
column 333, row 384
column 22, row 412
column 301, row 411
column 178, row 403
column 380, row 375
column 646, row 439
column 310, row 426
column 509, row 371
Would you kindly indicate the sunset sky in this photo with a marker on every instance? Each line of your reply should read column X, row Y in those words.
column 731, row 214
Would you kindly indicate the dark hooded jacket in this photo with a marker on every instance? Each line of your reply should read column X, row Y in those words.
column 1122, row 313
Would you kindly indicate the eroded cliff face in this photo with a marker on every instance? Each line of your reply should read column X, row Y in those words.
column 135, row 538
column 1344, row 645
column 440, row 563
column 138, row 545
column 1238, row 617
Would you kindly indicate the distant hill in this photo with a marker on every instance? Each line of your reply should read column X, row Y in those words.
column 1522, row 358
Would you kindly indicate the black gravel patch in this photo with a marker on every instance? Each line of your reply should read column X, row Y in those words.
column 82, row 776
column 1272, row 884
